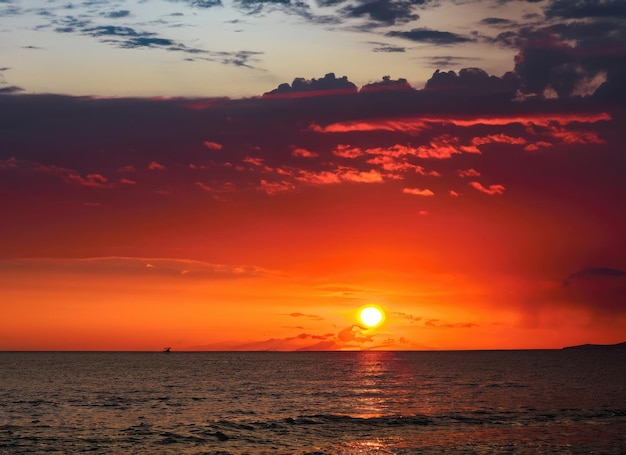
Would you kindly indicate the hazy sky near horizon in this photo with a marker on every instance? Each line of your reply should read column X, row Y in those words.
column 248, row 174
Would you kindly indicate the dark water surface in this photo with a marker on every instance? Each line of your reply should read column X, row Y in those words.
column 526, row 402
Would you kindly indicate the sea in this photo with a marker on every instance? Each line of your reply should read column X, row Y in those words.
column 315, row 403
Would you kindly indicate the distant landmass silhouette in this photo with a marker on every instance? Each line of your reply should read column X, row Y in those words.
column 598, row 346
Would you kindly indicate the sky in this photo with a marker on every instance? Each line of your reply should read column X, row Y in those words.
column 249, row 174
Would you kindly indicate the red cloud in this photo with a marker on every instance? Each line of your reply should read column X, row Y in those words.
column 68, row 176
column 154, row 166
column 414, row 125
column 498, row 138
column 303, row 153
column 391, row 164
column 319, row 178
column 213, row 145
column 492, row 190
column 536, row 146
column 469, row 173
column 576, row 137
column 410, row 125
column 347, row 151
column 275, row 187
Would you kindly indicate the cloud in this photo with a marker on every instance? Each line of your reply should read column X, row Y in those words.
column 497, row 22
column 312, row 317
column 6, row 89
column 388, row 48
column 118, row 14
column 446, row 61
column 572, row 58
column 213, row 145
column 474, row 80
column 347, row 151
column 469, row 173
column 386, row 84
column 301, row 87
column 425, row 35
column 10, row 90
column 200, row 3
column 407, row 316
column 303, row 153
column 126, row 37
column 435, row 324
column 154, row 166
column 40, row 173
column 492, row 190
column 383, row 12
column 578, row 9
column 418, row 192
column 272, row 188
column 499, row 139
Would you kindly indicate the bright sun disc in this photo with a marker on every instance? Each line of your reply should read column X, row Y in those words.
column 371, row 316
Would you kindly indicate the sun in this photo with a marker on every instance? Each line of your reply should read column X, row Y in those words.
column 371, row 316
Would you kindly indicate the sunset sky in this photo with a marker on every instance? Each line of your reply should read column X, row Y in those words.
column 248, row 174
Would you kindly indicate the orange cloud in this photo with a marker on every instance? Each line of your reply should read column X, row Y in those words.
column 352, row 175
column 492, row 190
column 418, row 192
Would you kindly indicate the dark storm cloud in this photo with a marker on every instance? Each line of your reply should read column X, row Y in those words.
column 446, row 61
column 497, row 22
column 324, row 3
column 384, row 12
column 577, row 9
column 424, row 35
column 474, row 80
column 11, row 89
column 571, row 57
column 386, row 84
column 329, row 83
column 553, row 64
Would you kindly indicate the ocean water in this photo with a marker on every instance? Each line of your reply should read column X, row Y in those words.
column 477, row 402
